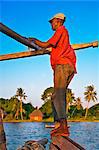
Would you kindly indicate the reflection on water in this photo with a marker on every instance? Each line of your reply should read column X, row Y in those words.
column 85, row 133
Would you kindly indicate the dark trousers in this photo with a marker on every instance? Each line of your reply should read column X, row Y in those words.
column 63, row 74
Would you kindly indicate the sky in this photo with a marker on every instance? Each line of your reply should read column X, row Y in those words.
column 34, row 74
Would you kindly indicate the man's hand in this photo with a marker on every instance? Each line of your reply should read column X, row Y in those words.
column 40, row 43
column 49, row 49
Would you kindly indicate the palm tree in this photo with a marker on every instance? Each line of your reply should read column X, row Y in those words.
column 78, row 105
column 15, row 106
column 47, row 94
column 21, row 94
column 69, row 99
column 90, row 94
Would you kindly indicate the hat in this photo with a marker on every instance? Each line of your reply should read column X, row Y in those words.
column 59, row 15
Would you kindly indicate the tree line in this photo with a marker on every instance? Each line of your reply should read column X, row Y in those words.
column 74, row 106
column 15, row 109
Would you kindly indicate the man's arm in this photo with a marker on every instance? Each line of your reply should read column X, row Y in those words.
column 40, row 43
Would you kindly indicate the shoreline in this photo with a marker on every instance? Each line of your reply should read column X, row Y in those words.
column 21, row 121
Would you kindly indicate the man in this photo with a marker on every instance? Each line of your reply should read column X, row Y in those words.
column 63, row 61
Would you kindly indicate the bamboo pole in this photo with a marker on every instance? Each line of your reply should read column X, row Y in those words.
column 43, row 52
column 85, row 45
column 2, row 134
column 22, row 55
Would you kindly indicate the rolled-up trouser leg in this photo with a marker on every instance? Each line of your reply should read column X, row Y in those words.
column 62, row 77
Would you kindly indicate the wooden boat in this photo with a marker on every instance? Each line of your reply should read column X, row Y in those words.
column 64, row 143
column 57, row 143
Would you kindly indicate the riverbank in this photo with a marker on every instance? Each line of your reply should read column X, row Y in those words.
column 50, row 120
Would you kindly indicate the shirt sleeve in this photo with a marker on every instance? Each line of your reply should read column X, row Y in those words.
column 55, row 38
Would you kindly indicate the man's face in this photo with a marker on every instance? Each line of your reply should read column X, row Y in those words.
column 54, row 23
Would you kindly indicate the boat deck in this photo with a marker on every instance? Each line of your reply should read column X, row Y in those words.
column 64, row 143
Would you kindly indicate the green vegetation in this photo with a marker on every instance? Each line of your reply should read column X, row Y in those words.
column 20, row 93
column 74, row 109
column 10, row 109
column 14, row 109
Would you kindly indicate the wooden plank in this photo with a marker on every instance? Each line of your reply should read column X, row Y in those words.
column 22, row 54
column 65, row 143
column 43, row 51
column 53, row 147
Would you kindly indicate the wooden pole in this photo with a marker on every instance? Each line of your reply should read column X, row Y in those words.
column 2, row 134
column 4, row 29
column 85, row 45
column 22, row 55
column 43, row 52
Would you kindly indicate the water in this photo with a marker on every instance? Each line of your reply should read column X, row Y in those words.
column 85, row 133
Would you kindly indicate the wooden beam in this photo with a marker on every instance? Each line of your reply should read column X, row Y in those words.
column 22, row 54
column 32, row 52
column 2, row 134
column 85, row 45
column 4, row 29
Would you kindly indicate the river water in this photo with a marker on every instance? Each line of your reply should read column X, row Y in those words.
column 84, row 133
